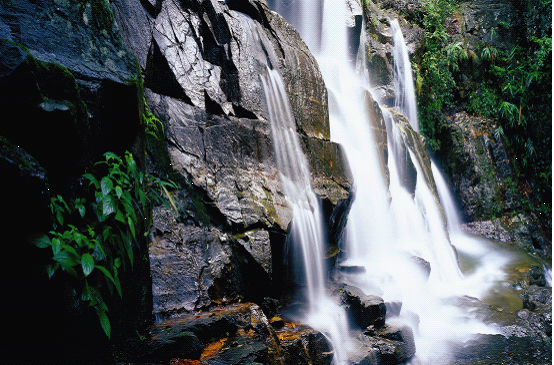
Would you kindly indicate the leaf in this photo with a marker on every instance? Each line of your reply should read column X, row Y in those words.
column 129, row 209
column 71, row 271
column 120, row 217
column 128, row 243
column 106, row 185
column 142, row 197
column 51, row 269
column 111, row 156
column 42, row 241
column 59, row 217
column 106, row 233
column 131, row 164
column 117, row 283
column 118, row 191
column 87, row 263
column 99, row 251
column 92, row 179
column 131, row 226
column 64, row 258
column 104, row 322
column 171, row 201
column 117, row 262
column 86, row 295
column 108, row 205
column 97, row 300
column 71, row 252
column 106, row 272
column 82, row 210
column 56, row 245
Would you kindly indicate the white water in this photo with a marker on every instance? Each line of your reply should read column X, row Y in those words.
column 405, row 100
column 548, row 275
column 387, row 225
column 307, row 225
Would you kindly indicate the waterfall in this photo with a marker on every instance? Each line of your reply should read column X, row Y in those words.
column 390, row 230
column 307, row 224
column 405, row 100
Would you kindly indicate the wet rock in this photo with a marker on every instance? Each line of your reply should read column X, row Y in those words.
column 498, row 349
column 477, row 21
column 393, row 309
column 523, row 231
column 423, row 264
column 236, row 334
column 389, row 345
column 364, row 310
column 379, row 131
column 304, row 345
column 524, row 334
column 134, row 20
column 411, row 143
column 379, row 42
column 277, row 322
column 228, row 149
column 536, row 276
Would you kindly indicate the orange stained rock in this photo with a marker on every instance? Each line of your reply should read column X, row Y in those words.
column 213, row 348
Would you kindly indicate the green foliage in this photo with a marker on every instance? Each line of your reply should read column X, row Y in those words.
column 511, row 87
column 153, row 126
column 434, row 80
column 93, row 239
column 516, row 92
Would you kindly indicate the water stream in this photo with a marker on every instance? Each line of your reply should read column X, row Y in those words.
column 404, row 92
column 391, row 231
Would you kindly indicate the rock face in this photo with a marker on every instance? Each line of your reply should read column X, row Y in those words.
column 78, row 89
column 194, row 267
column 202, row 77
column 479, row 168
column 482, row 178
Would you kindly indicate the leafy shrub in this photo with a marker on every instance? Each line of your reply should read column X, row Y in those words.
column 92, row 240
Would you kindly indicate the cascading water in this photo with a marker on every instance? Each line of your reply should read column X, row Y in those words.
column 306, row 235
column 390, row 230
column 307, row 224
column 405, row 100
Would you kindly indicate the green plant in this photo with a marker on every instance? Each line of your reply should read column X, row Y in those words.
column 93, row 239
column 153, row 126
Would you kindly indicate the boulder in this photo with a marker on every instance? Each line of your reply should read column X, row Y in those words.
column 524, row 334
column 363, row 310
column 388, row 345
column 498, row 349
